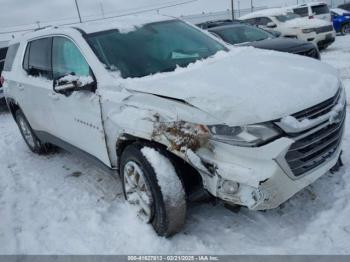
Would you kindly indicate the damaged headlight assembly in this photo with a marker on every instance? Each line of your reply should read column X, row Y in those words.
column 245, row 136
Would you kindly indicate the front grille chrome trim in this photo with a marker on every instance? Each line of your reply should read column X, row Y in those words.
column 317, row 145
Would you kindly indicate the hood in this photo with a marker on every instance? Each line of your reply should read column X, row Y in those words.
column 245, row 85
column 305, row 23
column 283, row 44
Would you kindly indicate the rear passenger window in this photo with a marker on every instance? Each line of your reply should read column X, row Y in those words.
column 302, row 11
column 10, row 57
column 37, row 59
column 320, row 9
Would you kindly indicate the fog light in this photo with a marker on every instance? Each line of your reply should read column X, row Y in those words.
column 230, row 187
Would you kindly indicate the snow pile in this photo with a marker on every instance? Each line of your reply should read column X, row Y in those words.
column 168, row 180
column 307, row 123
column 295, row 123
column 240, row 102
column 82, row 80
column 266, row 12
column 303, row 22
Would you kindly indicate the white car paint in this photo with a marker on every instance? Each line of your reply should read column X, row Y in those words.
column 310, row 12
column 296, row 27
column 242, row 87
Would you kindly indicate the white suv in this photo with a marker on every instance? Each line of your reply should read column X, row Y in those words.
column 291, row 25
column 174, row 112
column 313, row 10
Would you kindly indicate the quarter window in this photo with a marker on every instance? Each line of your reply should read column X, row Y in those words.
column 67, row 59
column 320, row 9
column 10, row 57
column 304, row 11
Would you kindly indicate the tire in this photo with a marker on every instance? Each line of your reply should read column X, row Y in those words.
column 167, row 204
column 345, row 29
column 32, row 141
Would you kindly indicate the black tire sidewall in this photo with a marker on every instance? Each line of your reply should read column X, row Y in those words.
column 342, row 29
column 37, row 144
column 160, row 220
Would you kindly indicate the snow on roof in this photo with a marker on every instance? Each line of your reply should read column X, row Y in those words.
column 309, row 4
column 124, row 24
column 339, row 11
column 265, row 12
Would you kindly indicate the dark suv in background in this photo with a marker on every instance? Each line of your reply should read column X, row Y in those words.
column 240, row 33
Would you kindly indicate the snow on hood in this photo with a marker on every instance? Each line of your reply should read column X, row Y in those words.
column 246, row 85
column 303, row 22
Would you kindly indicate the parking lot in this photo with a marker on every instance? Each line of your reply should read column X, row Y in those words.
column 60, row 204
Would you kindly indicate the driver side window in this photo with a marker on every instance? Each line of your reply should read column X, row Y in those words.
column 67, row 59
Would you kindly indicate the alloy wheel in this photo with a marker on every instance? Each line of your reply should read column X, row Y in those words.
column 137, row 191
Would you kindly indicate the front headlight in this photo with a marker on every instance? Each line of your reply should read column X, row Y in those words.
column 308, row 30
column 246, row 136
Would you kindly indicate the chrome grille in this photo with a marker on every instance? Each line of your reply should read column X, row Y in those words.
column 319, row 109
column 314, row 147
column 324, row 29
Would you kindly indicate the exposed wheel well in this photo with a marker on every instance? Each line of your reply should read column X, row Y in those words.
column 189, row 175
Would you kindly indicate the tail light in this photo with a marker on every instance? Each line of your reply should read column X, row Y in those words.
column 2, row 80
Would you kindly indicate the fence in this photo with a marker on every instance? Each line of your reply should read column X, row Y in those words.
column 238, row 12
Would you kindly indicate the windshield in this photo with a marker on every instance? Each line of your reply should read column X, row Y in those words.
column 153, row 48
column 287, row 17
column 241, row 34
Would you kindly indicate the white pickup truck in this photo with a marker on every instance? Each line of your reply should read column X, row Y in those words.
column 177, row 113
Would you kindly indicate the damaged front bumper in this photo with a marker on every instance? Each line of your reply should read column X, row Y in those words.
column 254, row 177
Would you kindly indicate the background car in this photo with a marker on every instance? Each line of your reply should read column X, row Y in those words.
column 238, row 33
column 291, row 25
column 313, row 10
column 345, row 6
column 3, row 51
column 341, row 20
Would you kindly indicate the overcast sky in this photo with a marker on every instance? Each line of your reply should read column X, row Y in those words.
column 19, row 14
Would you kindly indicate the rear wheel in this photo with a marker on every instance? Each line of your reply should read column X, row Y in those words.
column 150, row 184
column 345, row 29
column 28, row 134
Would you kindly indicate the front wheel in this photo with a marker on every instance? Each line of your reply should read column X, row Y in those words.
column 345, row 29
column 151, row 184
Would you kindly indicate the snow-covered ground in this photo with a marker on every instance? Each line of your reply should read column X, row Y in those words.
column 59, row 204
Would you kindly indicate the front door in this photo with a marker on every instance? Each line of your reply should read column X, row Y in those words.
column 77, row 114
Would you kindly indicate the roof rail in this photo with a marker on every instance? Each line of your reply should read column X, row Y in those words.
column 45, row 27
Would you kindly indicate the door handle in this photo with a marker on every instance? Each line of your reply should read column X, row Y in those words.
column 54, row 96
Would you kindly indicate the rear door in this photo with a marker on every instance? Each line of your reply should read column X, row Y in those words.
column 35, row 83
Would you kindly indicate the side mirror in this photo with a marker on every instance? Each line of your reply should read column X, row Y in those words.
column 271, row 25
column 67, row 84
